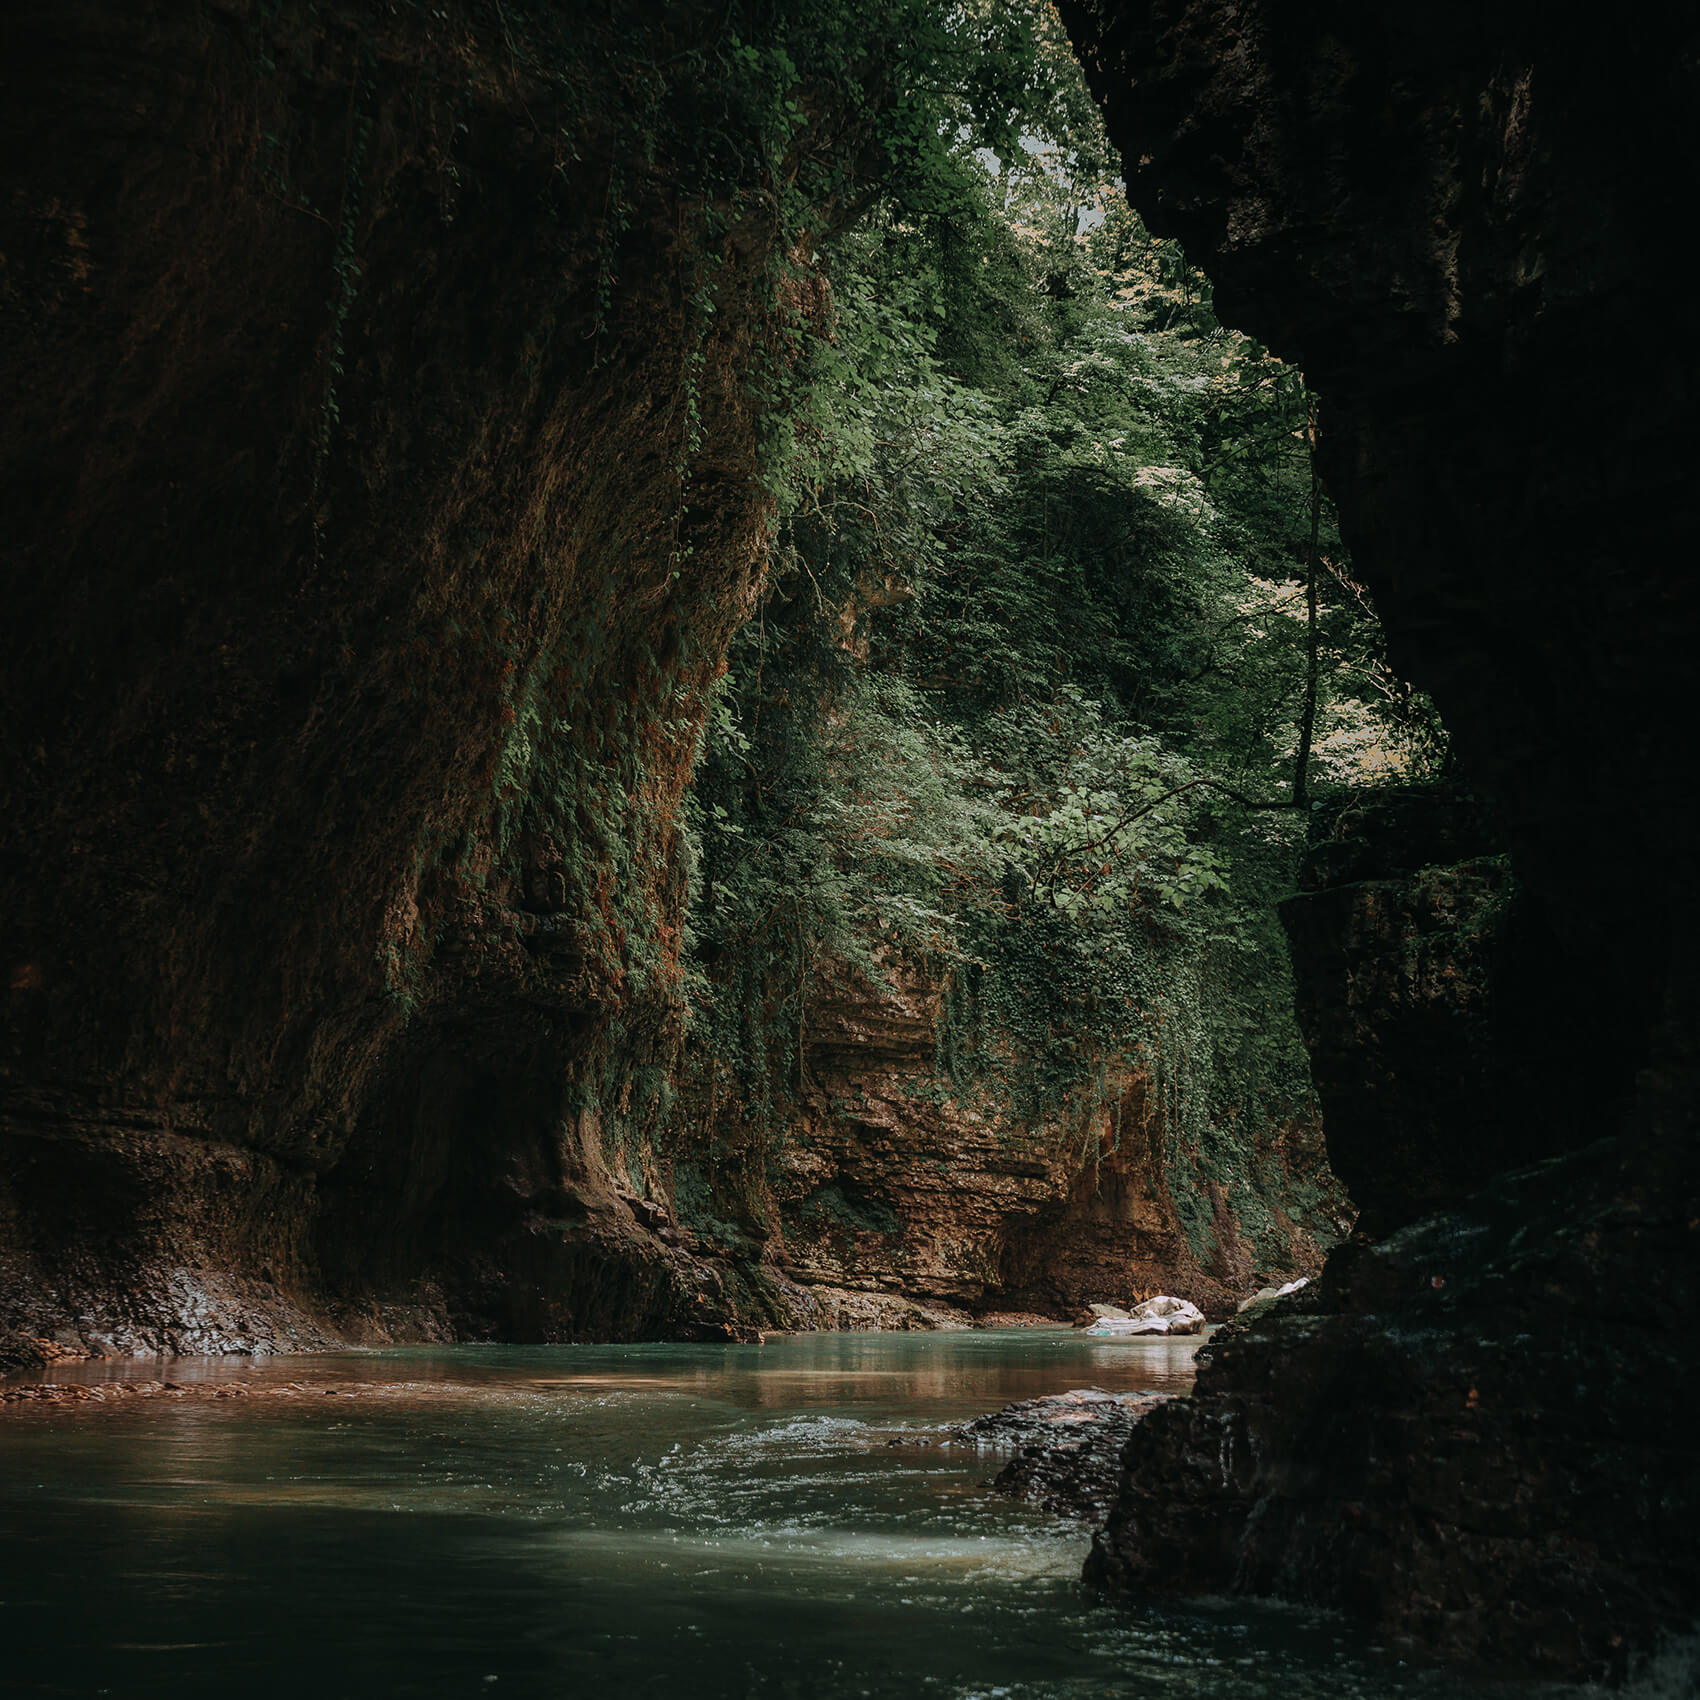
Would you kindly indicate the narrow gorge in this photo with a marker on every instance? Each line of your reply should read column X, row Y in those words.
column 700, row 673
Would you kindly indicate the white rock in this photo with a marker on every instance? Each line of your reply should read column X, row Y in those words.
column 1161, row 1315
column 1100, row 1313
column 1265, row 1294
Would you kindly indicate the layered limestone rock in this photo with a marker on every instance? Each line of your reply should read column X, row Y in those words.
column 892, row 1198
column 1475, row 1430
column 359, row 624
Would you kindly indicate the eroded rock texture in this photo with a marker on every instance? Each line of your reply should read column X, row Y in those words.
column 358, row 624
column 1478, row 1429
column 895, row 1199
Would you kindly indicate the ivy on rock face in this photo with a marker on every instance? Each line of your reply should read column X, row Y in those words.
column 1023, row 699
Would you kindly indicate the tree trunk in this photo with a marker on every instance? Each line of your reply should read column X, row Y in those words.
column 1307, row 717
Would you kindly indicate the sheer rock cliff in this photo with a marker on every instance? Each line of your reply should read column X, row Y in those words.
column 359, row 626
column 1475, row 1430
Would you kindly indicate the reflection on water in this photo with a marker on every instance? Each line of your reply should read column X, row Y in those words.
column 788, row 1521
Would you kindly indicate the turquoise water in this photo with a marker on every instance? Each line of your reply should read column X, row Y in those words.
column 714, row 1521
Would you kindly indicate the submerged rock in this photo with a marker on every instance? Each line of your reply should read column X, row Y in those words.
column 1013, row 1319
column 1069, row 1447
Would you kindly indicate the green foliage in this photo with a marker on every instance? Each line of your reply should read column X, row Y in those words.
column 1022, row 701
column 847, row 1212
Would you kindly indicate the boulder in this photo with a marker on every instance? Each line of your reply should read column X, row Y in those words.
column 1100, row 1313
column 1268, row 1295
column 1161, row 1315
column 1068, row 1447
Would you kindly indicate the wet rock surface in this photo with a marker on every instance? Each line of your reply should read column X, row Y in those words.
column 1473, row 1433
column 54, row 1394
column 1068, row 1447
column 856, row 1310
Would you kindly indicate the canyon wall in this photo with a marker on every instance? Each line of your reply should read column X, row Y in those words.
column 887, row 1195
column 1475, row 1429
column 383, row 478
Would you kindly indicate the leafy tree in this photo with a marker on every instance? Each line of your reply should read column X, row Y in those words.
column 1060, row 641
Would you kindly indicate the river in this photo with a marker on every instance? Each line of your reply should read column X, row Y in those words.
column 786, row 1522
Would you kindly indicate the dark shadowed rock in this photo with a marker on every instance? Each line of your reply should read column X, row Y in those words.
column 1068, row 1447
column 1437, row 1004
column 1479, row 1431
column 334, row 482
column 1476, row 1432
